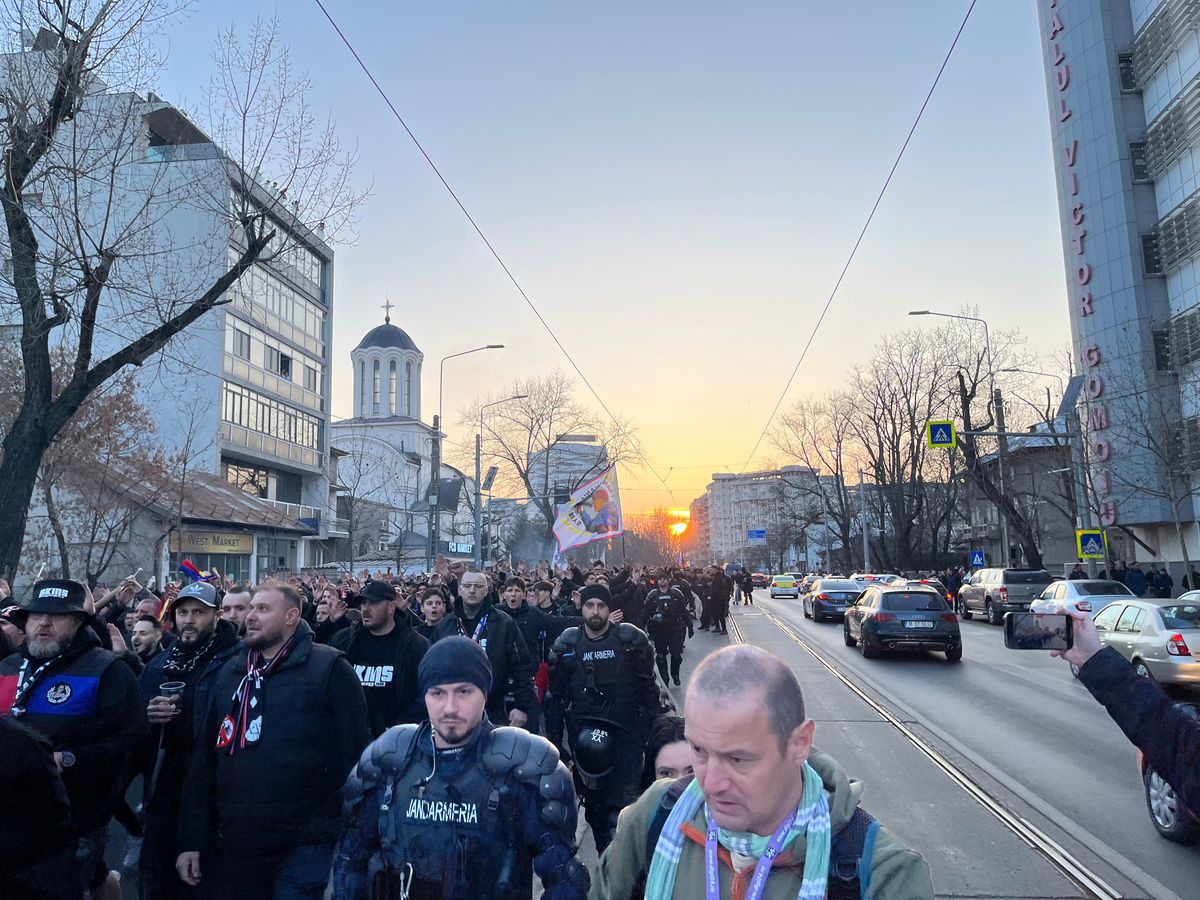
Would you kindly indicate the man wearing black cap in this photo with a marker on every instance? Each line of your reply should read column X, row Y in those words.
column 205, row 642
column 602, row 683
column 385, row 651
column 457, row 808
column 283, row 721
column 475, row 616
column 84, row 700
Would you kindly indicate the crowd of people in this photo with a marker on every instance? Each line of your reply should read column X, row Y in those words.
column 391, row 738
column 374, row 736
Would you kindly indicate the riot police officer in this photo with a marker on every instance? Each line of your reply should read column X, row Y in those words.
column 602, row 684
column 457, row 808
column 667, row 619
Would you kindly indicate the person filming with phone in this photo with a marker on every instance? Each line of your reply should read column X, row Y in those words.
column 1169, row 738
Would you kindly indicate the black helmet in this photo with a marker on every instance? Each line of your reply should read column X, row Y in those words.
column 595, row 752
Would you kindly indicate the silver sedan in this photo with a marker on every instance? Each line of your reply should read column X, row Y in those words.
column 1161, row 638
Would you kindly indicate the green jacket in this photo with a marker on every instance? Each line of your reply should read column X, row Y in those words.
column 896, row 873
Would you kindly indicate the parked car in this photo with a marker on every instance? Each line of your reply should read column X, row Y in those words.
column 807, row 582
column 1159, row 637
column 759, row 580
column 994, row 592
column 828, row 598
column 902, row 617
column 1172, row 819
column 1087, row 595
column 873, row 578
column 784, row 586
column 929, row 582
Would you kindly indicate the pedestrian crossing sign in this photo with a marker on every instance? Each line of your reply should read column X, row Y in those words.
column 1090, row 543
column 941, row 433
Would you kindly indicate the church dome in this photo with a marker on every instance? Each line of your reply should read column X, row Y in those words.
column 387, row 336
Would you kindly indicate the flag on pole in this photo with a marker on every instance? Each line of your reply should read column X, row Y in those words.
column 593, row 513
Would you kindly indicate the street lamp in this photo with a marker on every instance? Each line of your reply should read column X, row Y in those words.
column 999, row 407
column 479, row 476
column 435, row 474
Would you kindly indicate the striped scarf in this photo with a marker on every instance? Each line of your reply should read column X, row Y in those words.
column 812, row 821
column 242, row 728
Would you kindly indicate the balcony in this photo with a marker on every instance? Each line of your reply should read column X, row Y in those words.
column 338, row 528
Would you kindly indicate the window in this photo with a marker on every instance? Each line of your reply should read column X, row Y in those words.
column 375, row 386
column 241, row 343
column 1128, row 622
column 408, row 387
column 362, row 388
column 1125, row 70
column 271, row 357
column 1107, row 617
column 1137, row 161
column 285, row 366
column 392, row 388
column 257, row 412
column 310, row 379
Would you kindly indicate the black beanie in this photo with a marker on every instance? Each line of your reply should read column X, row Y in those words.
column 597, row 591
column 454, row 660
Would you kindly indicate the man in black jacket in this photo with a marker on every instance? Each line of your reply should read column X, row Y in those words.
column 539, row 629
column 36, row 833
column 205, row 643
column 720, row 590
column 1168, row 736
column 475, row 616
column 283, row 723
column 85, row 700
column 385, row 652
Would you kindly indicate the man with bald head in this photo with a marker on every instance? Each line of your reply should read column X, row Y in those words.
column 782, row 816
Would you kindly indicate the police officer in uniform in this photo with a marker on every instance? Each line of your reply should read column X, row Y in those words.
column 667, row 620
column 84, row 699
column 457, row 808
column 602, row 683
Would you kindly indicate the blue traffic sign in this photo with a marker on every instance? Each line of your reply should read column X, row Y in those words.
column 941, row 433
column 1090, row 543
column 978, row 560
column 756, row 535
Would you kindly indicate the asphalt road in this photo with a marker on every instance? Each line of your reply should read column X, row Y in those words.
column 1018, row 724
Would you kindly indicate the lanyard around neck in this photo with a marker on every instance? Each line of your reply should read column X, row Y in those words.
column 758, row 884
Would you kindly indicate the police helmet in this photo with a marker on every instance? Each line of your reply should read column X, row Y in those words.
column 595, row 752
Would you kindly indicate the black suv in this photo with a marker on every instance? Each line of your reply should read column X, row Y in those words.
column 902, row 617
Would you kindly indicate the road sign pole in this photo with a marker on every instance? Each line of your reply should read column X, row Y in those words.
column 862, row 521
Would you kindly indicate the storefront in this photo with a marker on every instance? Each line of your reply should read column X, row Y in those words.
column 228, row 552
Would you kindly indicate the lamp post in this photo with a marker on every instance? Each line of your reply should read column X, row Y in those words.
column 998, row 405
column 435, row 468
column 479, row 476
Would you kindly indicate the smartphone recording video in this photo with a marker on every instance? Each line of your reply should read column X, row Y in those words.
column 1038, row 631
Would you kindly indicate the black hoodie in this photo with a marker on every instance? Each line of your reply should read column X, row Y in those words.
column 512, row 667
column 386, row 667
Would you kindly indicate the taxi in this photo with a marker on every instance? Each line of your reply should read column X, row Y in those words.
column 785, row 586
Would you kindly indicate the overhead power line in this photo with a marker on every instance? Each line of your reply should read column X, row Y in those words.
column 854, row 250
column 479, row 231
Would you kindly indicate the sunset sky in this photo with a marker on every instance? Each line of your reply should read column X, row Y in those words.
column 676, row 185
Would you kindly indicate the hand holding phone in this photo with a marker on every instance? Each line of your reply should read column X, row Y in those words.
column 1038, row 631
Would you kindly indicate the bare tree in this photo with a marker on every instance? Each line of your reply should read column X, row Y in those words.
column 519, row 436
column 97, row 268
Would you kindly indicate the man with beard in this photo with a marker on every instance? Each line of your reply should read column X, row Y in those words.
column 475, row 616
column 284, row 721
column 602, row 681
column 385, row 651
column 204, row 643
column 85, row 701
column 458, row 809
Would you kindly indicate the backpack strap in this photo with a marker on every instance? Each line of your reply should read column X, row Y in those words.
column 850, row 857
column 665, row 804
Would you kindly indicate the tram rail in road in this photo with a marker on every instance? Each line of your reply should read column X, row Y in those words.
column 1064, row 861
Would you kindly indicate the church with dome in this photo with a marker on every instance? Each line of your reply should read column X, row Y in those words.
column 384, row 455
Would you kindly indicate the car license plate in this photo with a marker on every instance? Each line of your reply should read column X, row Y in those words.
column 918, row 624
